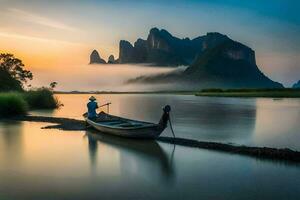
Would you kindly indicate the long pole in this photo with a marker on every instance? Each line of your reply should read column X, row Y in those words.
column 171, row 126
column 107, row 104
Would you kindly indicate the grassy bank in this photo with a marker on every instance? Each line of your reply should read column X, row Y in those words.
column 270, row 93
column 12, row 103
column 41, row 99
column 18, row 103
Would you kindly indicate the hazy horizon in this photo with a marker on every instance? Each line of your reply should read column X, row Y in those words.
column 103, row 77
column 61, row 34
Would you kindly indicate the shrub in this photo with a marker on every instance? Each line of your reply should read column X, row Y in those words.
column 41, row 98
column 12, row 103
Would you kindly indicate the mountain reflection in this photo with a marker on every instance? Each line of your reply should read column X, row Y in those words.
column 214, row 119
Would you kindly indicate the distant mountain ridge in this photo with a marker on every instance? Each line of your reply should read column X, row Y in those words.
column 95, row 58
column 296, row 85
column 161, row 48
column 214, row 60
column 229, row 64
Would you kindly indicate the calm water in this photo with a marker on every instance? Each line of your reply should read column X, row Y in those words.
column 53, row 164
column 256, row 122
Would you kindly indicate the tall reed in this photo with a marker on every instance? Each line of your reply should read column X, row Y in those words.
column 41, row 98
column 12, row 103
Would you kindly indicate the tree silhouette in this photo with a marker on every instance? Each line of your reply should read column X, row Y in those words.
column 14, row 68
column 53, row 85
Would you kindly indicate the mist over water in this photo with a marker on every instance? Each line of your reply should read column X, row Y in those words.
column 101, row 77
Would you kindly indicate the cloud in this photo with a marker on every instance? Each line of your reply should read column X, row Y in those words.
column 40, row 39
column 33, row 18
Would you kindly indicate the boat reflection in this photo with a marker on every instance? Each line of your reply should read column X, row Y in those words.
column 142, row 155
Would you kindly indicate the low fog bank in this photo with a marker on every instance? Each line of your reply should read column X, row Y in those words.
column 103, row 77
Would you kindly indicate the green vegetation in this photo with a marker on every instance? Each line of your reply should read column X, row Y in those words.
column 12, row 73
column 18, row 103
column 41, row 98
column 12, row 103
column 7, row 83
column 13, row 99
column 272, row 93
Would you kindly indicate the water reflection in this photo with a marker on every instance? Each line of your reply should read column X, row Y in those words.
column 44, row 112
column 11, row 137
column 248, row 121
column 93, row 147
column 146, row 156
column 217, row 120
column 278, row 123
column 52, row 164
column 211, row 119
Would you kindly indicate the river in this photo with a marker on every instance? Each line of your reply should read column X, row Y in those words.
column 40, row 163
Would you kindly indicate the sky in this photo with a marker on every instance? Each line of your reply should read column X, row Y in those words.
column 60, row 34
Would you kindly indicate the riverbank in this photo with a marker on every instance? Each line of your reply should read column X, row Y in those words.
column 19, row 103
column 266, row 93
column 132, row 92
column 286, row 154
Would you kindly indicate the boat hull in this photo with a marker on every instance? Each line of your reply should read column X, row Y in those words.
column 150, row 131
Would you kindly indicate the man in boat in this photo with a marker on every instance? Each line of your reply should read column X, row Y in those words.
column 92, row 107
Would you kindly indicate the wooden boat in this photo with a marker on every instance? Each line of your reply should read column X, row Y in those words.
column 124, row 127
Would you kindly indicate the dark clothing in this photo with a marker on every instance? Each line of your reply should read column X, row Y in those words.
column 92, row 106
